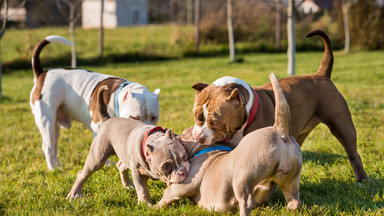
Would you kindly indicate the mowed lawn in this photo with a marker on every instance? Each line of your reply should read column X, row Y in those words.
column 328, row 186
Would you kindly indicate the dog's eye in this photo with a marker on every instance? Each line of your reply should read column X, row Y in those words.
column 214, row 123
column 134, row 117
column 167, row 166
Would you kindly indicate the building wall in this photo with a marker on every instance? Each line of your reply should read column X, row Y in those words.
column 116, row 13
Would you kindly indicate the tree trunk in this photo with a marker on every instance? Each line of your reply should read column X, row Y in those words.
column 231, row 39
column 72, row 33
column 101, row 31
column 189, row 11
column 291, row 39
column 345, row 8
column 278, row 24
column 1, row 74
column 197, row 25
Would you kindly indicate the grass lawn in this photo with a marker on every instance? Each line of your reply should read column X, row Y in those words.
column 328, row 186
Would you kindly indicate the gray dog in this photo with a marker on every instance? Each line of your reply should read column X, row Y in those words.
column 146, row 150
column 247, row 175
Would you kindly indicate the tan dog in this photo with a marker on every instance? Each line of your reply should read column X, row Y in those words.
column 219, row 180
column 229, row 108
column 143, row 148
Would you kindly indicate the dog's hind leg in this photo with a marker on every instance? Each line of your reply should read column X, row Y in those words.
column 343, row 129
column 98, row 155
column 290, row 191
column 46, row 122
column 243, row 191
column 263, row 191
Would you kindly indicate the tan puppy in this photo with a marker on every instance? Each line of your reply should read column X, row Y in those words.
column 229, row 108
column 146, row 150
column 247, row 175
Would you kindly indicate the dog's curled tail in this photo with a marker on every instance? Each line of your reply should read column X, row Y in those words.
column 36, row 64
column 282, row 123
column 102, row 110
column 326, row 65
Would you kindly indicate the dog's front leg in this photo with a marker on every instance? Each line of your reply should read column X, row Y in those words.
column 171, row 194
column 140, row 182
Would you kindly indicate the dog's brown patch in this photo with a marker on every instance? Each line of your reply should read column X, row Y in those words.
column 112, row 83
column 36, row 95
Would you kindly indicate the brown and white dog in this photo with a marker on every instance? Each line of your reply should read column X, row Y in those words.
column 148, row 151
column 229, row 108
column 60, row 96
column 246, row 176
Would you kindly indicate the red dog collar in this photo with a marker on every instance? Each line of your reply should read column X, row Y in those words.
column 251, row 116
column 147, row 135
column 254, row 109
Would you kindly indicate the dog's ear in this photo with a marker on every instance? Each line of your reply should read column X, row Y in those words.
column 199, row 86
column 235, row 97
column 169, row 134
column 148, row 152
column 156, row 92
column 127, row 95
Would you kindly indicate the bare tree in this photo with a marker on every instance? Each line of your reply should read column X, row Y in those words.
column 278, row 23
column 277, row 6
column 4, row 5
column 72, row 20
column 291, row 38
column 231, row 39
column 101, row 30
column 197, row 25
column 345, row 5
column 189, row 11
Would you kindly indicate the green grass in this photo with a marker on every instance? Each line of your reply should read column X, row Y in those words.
column 328, row 186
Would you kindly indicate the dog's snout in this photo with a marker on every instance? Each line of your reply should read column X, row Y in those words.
column 200, row 139
column 182, row 172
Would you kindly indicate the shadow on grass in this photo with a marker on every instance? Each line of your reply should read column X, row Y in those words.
column 5, row 99
column 322, row 158
column 367, row 195
column 63, row 61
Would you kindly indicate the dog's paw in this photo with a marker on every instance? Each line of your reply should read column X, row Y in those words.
column 71, row 196
column 293, row 205
column 147, row 203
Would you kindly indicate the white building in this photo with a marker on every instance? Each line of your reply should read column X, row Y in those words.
column 308, row 6
column 116, row 13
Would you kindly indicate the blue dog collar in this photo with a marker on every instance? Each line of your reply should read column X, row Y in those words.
column 117, row 92
column 214, row 148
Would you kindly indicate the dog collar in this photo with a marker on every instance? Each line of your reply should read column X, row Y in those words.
column 147, row 134
column 117, row 92
column 254, row 109
column 214, row 148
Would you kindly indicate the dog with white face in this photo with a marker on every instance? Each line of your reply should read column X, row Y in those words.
column 60, row 96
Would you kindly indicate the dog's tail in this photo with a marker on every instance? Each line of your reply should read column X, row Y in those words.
column 102, row 111
column 36, row 64
column 326, row 65
column 282, row 123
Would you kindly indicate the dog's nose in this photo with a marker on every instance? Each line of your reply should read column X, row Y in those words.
column 199, row 138
column 182, row 172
